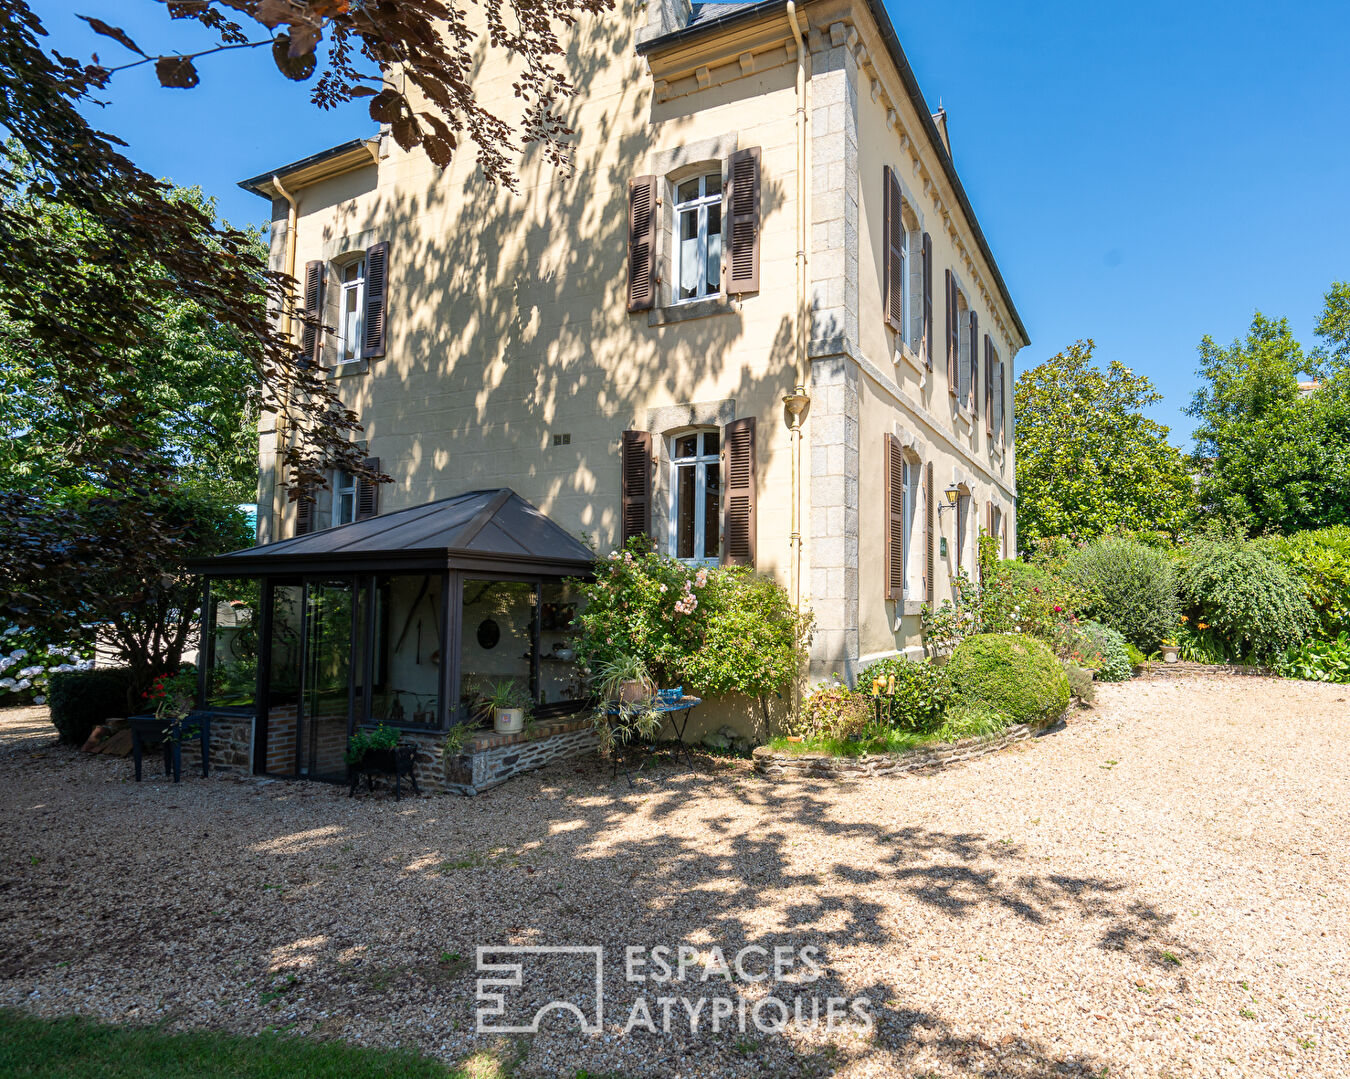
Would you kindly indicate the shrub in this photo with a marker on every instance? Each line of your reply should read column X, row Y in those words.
column 972, row 720
column 1129, row 586
column 1081, row 684
column 1092, row 644
column 1137, row 658
column 1241, row 592
column 1319, row 661
column 1013, row 674
column 913, row 695
column 80, row 700
column 1321, row 560
column 1018, row 597
column 833, row 710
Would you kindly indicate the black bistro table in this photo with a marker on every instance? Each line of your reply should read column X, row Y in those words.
column 667, row 705
column 171, row 733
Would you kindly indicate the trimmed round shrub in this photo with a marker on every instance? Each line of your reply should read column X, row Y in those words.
column 1129, row 586
column 80, row 700
column 1012, row 674
column 1247, row 597
column 913, row 695
column 1321, row 560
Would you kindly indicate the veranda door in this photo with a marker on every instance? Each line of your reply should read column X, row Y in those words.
column 326, row 696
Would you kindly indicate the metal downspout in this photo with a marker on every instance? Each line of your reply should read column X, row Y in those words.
column 279, row 448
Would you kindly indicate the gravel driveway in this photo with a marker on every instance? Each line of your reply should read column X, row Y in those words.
column 1160, row 889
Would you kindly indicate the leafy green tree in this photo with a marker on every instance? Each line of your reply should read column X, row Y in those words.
column 1089, row 461
column 1273, row 457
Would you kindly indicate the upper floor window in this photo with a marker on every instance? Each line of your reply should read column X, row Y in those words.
column 344, row 499
column 698, row 237
column 900, row 268
column 351, row 318
column 696, row 495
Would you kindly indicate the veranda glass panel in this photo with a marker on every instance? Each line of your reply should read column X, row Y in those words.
column 559, row 676
column 283, row 688
column 232, row 633
column 497, row 637
column 328, row 646
column 408, row 650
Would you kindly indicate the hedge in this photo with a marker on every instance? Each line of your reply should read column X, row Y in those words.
column 80, row 700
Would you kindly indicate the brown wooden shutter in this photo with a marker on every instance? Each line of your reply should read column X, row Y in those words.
column 988, row 388
column 738, row 492
column 311, row 335
column 953, row 339
column 636, row 496
column 973, row 398
column 895, row 519
column 894, row 257
column 377, row 292
column 929, row 529
column 368, row 492
column 642, row 221
column 928, row 300
column 304, row 514
column 742, row 200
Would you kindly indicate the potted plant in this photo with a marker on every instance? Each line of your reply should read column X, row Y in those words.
column 505, row 704
column 624, row 679
column 1171, row 651
column 174, row 697
column 374, row 750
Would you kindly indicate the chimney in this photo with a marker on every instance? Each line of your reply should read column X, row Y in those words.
column 940, row 119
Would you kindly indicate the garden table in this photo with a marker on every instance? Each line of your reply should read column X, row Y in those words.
column 670, row 707
column 171, row 733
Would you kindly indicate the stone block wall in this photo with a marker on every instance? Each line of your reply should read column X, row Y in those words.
column 822, row 765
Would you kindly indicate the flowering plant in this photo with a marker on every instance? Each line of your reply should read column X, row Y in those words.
column 27, row 662
column 173, row 696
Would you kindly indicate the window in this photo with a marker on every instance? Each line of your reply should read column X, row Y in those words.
column 696, row 496
column 904, row 284
column 344, row 499
column 902, row 482
column 911, row 486
column 698, row 237
column 352, row 312
column 962, row 516
column 964, row 363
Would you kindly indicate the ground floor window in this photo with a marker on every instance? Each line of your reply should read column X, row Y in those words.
column 696, row 496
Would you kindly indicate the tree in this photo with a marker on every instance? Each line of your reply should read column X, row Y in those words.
column 1089, row 462
column 128, row 228
column 1273, row 457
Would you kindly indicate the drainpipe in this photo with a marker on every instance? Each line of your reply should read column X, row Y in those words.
column 286, row 331
column 797, row 401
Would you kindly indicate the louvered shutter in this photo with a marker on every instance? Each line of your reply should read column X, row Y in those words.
column 311, row 334
column 642, row 219
column 742, row 201
column 894, row 254
column 928, row 300
column 929, row 528
column 377, row 292
column 636, row 495
column 988, row 386
column 738, row 492
column 953, row 339
column 368, row 492
column 973, row 397
column 304, row 514
column 895, row 519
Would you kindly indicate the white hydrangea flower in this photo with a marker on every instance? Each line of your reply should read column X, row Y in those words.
column 39, row 699
column 19, row 653
column 6, row 683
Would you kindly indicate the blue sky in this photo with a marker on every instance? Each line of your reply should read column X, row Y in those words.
column 1146, row 172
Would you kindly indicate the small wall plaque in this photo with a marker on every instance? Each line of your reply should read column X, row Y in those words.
column 942, row 546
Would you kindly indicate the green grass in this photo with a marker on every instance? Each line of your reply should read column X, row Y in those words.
column 32, row 1048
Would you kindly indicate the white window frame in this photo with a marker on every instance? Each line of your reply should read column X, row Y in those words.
column 358, row 286
column 344, row 486
column 699, row 206
column 908, row 472
column 906, row 330
column 700, row 461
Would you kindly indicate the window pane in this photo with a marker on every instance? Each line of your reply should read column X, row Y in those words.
column 346, row 508
column 496, row 642
column 328, row 651
column 559, row 677
column 713, row 184
column 408, row 649
column 684, row 512
column 712, row 511
column 710, row 443
column 686, row 446
column 690, row 270
column 351, row 322
column 687, row 191
column 283, row 691
column 714, row 248
column 234, row 643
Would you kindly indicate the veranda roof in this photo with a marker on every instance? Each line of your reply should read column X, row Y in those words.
column 493, row 530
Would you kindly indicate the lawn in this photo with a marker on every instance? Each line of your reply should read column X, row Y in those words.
column 32, row 1048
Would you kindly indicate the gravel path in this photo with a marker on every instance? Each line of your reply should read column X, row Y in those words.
column 1160, row 889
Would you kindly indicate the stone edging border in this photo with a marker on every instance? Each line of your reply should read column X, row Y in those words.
column 775, row 765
